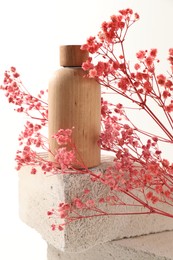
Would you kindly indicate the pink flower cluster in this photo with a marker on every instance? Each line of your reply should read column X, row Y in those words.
column 140, row 170
column 139, row 164
column 63, row 137
column 31, row 140
column 19, row 96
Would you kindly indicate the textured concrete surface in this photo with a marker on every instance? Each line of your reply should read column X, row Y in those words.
column 158, row 245
column 40, row 193
column 149, row 247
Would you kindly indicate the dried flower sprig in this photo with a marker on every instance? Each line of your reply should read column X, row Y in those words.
column 32, row 142
column 140, row 172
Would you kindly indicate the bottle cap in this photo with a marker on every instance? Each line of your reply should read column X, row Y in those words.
column 72, row 56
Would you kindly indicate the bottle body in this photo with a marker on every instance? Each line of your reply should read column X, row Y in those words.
column 74, row 102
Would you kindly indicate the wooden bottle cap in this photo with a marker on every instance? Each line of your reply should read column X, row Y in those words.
column 72, row 56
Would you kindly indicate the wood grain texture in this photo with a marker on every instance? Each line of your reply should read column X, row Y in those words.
column 74, row 101
column 72, row 56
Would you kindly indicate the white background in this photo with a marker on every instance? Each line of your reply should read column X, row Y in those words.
column 30, row 33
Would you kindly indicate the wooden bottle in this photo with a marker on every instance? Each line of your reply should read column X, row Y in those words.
column 74, row 101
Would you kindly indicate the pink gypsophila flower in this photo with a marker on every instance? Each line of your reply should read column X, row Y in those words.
column 171, row 51
column 161, row 79
column 153, row 53
column 63, row 136
column 141, row 55
column 65, row 158
column 87, row 65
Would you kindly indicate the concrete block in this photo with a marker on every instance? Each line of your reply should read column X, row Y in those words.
column 40, row 193
column 149, row 247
